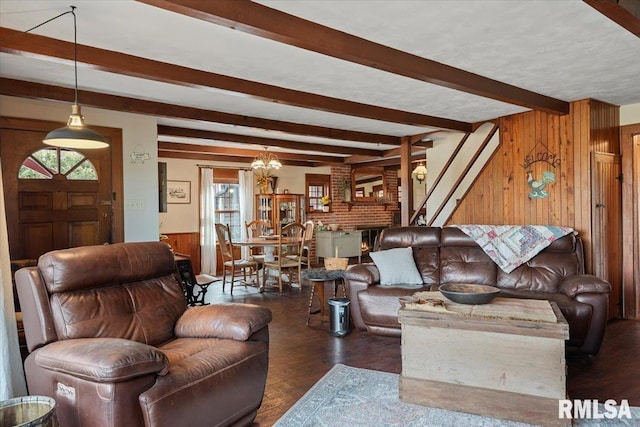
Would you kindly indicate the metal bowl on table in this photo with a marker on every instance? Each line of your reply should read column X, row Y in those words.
column 464, row 293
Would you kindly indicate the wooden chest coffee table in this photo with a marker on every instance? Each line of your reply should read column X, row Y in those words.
column 499, row 367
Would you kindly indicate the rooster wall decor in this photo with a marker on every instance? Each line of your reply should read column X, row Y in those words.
column 537, row 185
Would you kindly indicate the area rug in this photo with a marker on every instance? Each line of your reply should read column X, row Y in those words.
column 348, row 396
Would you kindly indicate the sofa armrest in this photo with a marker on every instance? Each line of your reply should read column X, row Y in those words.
column 365, row 273
column 103, row 360
column 358, row 278
column 231, row 321
column 583, row 283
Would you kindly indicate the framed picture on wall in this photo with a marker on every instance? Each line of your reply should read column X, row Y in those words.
column 178, row 191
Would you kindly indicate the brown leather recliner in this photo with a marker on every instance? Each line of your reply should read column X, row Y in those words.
column 112, row 341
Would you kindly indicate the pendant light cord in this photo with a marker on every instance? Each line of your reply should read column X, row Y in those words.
column 75, row 42
column 75, row 52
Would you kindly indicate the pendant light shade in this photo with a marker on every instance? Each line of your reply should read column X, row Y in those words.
column 75, row 134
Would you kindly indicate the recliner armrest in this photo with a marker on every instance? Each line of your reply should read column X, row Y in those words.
column 230, row 321
column 102, row 359
column 583, row 283
column 365, row 273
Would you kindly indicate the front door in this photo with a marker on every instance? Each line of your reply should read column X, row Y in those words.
column 55, row 198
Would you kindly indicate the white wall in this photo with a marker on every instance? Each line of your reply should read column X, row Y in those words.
column 184, row 218
column 138, row 133
column 629, row 114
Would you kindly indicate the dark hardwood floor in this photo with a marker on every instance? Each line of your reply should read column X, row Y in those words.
column 301, row 355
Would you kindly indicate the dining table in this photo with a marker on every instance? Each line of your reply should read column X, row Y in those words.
column 269, row 244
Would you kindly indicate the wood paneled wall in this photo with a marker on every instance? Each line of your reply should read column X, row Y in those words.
column 189, row 244
column 500, row 195
column 186, row 244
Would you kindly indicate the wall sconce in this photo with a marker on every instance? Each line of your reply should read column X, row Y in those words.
column 420, row 173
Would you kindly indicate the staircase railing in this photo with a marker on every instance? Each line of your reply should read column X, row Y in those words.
column 463, row 175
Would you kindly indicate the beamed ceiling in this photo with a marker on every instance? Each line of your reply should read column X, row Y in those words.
column 321, row 82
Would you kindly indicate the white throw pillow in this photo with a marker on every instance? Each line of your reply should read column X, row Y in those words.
column 397, row 267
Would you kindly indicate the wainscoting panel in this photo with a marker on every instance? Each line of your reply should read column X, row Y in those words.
column 186, row 244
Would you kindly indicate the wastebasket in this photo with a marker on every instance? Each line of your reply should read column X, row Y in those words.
column 339, row 316
column 30, row 411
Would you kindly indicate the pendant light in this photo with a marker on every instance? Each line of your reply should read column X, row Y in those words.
column 266, row 161
column 75, row 134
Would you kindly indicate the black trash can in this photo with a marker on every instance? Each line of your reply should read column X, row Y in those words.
column 339, row 316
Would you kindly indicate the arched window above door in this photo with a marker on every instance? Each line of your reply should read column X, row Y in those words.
column 50, row 161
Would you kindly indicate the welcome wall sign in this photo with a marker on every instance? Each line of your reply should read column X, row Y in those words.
column 540, row 153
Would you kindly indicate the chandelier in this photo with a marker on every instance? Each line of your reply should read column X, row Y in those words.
column 420, row 172
column 266, row 161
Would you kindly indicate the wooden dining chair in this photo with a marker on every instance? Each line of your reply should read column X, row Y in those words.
column 229, row 260
column 305, row 257
column 307, row 236
column 288, row 258
column 256, row 228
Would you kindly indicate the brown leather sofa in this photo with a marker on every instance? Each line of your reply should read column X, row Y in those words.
column 448, row 255
column 112, row 341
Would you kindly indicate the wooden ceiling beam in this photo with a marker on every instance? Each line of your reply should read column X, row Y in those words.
column 220, row 158
column 23, row 89
column 265, row 142
column 249, row 155
column 257, row 19
column 625, row 13
column 135, row 66
column 423, row 144
column 415, row 149
column 394, row 161
column 418, row 139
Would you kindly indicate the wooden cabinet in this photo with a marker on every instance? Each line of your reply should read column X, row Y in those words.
column 280, row 209
column 339, row 244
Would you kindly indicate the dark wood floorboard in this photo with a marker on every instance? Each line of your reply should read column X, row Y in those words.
column 301, row 355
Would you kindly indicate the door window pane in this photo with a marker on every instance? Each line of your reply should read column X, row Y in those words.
column 43, row 164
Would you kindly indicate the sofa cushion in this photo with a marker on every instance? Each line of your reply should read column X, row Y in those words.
column 542, row 273
column 466, row 265
column 428, row 263
column 144, row 311
column 397, row 267
column 211, row 381
column 379, row 305
column 404, row 237
column 73, row 269
column 463, row 261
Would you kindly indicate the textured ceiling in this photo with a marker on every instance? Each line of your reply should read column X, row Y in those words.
column 562, row 49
